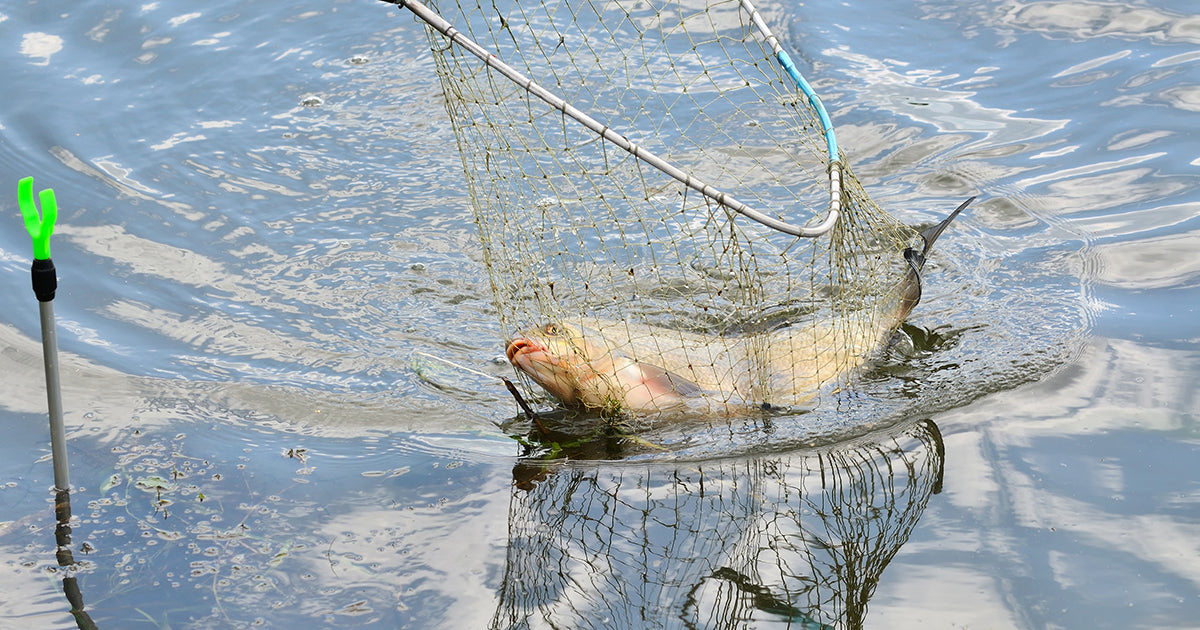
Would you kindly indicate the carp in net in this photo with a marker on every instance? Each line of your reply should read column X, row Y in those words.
column 666, row 220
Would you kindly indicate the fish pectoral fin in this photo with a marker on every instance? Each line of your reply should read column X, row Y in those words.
column 655, row 376
column 649, row 387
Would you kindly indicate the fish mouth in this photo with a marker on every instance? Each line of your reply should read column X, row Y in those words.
column 520, row 347
column 533, row 357
column 536, row 361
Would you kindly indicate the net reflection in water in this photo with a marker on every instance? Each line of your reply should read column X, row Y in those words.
column 799, row 541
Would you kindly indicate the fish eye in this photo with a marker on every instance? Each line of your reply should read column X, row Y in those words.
column 552, row 329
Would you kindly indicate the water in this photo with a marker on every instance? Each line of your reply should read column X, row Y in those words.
column 262, row 219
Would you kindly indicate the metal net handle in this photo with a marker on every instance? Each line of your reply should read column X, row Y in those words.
column 444, row 27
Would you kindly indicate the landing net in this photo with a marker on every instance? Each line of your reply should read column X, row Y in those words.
column 578, row 231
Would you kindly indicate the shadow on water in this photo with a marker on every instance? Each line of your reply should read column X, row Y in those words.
column 798, row 541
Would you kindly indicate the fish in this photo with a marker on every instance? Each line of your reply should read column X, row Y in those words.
column 629, row 367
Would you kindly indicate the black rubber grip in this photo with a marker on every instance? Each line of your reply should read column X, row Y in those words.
column 45, row 280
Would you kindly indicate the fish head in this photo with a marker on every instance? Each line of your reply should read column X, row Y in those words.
column 561, row 360
column 578, row 367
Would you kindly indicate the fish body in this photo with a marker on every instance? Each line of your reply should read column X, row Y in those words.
column 624, row 366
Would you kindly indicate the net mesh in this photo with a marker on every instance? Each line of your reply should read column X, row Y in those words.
column 628, row 266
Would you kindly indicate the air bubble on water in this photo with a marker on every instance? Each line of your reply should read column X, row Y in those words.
column 312, row 100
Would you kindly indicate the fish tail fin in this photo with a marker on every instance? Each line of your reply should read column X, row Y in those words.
column 911, row 291
column 931, row 234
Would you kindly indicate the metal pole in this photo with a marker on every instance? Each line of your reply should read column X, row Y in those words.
column 58, row 434
column 45, row 282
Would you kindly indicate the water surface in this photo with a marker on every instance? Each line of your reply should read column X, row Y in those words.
column 263, row 218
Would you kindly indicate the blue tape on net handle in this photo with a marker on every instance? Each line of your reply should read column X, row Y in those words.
column 814, row 100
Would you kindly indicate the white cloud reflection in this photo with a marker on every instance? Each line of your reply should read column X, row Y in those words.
column 40, row 47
